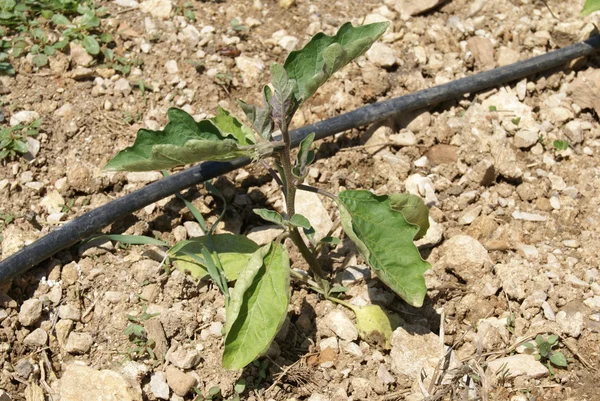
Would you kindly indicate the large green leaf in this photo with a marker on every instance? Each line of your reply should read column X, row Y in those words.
column 229, row 125
column 258, row 306
column 590, row 6
column 413, row 209
column 185, row 141
column 234, row 253
column 260, row 117
column 312, row 65
column 270, row 215
column 284, row 101
column 385, row 239
column 305, row 157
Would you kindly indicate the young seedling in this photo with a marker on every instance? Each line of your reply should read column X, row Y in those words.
column 560, row 145
column 544, row 353
column 13, row 140
column 141, row 344
column 383, row 227
column 28, row 22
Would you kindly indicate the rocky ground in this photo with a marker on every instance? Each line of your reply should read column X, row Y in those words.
column 514, row 243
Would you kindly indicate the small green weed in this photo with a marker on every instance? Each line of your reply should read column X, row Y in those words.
column 132, row 117
column 225, row 80
column 239, row 28
column 187, row 10
column 263, row 368
column 141, row 344
column 214, row 393
column 503, row 374
column 510, row 323
column 544, row 353
column 30, row 21
column 560, row 145
column 5, row 220
column 13, row 140
column 118, row 63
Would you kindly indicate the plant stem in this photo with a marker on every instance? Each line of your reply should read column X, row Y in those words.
column 290, row 199
column 306, row 279
column 286, row 164
column 307, row 254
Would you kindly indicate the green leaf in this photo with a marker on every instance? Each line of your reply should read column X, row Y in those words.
column 552, row 339
column 7, row 69
column 215, row 193
column 106, row 37
column 331, row 240
column 385, row 239
column 338, row 289
column 240, row 386
column 413, row 209
column 49, row 50
column 305, row 156
column 310, row 234
column 91, row 45
column 560, row 145
column 312, row 65
column 375, row 325
column 19, row 48
column 558, row 359
column 40, row 60
column 243, row 283
column 216, row 273
column 270, row 215
column 300, row 221
column 37, row 33
column 260, row 117
column 590, row 6
column 284, row 102
column 182, row 141
column 134, row 330
column 544, row 349
column 130, row 239
column 234, row 252
column 231, row 126
column 193, row 209
column 89, row 20
column 539, row 339
column 60, row 44
column 19, row 146
column 60, row 20
column 258, row 307
column 214, row 391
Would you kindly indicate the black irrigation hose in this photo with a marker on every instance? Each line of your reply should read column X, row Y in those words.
column 91, row 222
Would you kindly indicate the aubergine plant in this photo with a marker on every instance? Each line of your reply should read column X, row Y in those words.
column 590, row 6
column 382, row 227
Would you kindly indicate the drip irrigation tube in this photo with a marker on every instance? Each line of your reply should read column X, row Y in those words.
column 91, row 222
